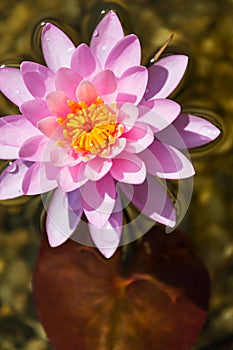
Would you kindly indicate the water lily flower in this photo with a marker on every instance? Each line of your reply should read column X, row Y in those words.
column 90, row 125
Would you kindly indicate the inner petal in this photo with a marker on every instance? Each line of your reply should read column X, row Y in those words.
column 86, row 92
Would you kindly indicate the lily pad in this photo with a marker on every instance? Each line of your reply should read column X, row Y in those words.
column 151, row 294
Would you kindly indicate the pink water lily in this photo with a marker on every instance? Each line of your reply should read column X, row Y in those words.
column 90, row 120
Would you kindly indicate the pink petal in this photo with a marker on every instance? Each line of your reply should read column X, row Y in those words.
column 57, row 47
column 189, row 131
column 166, row 162
column 139, row 138
column 132, row 85
column 15, row 130
column 127, row 115
column 106, row 84
column 97, row 168
column 165, row 75
column 158, row 113
column 49, row 127
column 57, row 103
column 35, row 110
column 59, row 157
column 84, row 62
column 125, row 54
column 35, row 149
column 67, row 80
column 72, row 177
column 12, row 85
column 86, row 92
column 40, row 178
column 107, row 237
column 64, row 214
column 98, row 200
column 115, row 149
column 8, row 152
column 11, row 179
column 107, row 33
column 128, row 168
column 38, row 79
column 152, row 199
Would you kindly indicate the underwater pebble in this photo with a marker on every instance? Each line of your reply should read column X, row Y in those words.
column 36, row 344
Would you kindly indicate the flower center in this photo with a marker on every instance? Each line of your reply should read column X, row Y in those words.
column 90, row 128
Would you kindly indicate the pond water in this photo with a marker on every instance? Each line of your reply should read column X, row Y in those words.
column 203, row 30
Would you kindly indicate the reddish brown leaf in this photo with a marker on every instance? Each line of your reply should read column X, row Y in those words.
column 154, row 297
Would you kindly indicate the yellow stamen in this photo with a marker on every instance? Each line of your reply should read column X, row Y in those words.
column 90, row 129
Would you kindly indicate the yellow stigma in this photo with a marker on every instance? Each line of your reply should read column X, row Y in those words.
column 89, row 128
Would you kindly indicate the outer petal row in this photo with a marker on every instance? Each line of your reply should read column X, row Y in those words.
column 64, row 214
column 99, row 200
column 65, row 211
column 13, row 86
column 14, row 131
column 35, row 110
column 128, row 168
column 39, row 178
column 38, row 79
column 159, row 113
column 23, row 177
column 125, row 54
column 166, row 162
column 107, row 33
column 189, row 131
column 107, row 237
column 57, row 47
column 165, row 75
column 11, row 179
column 132, row 85
column 152, row 199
